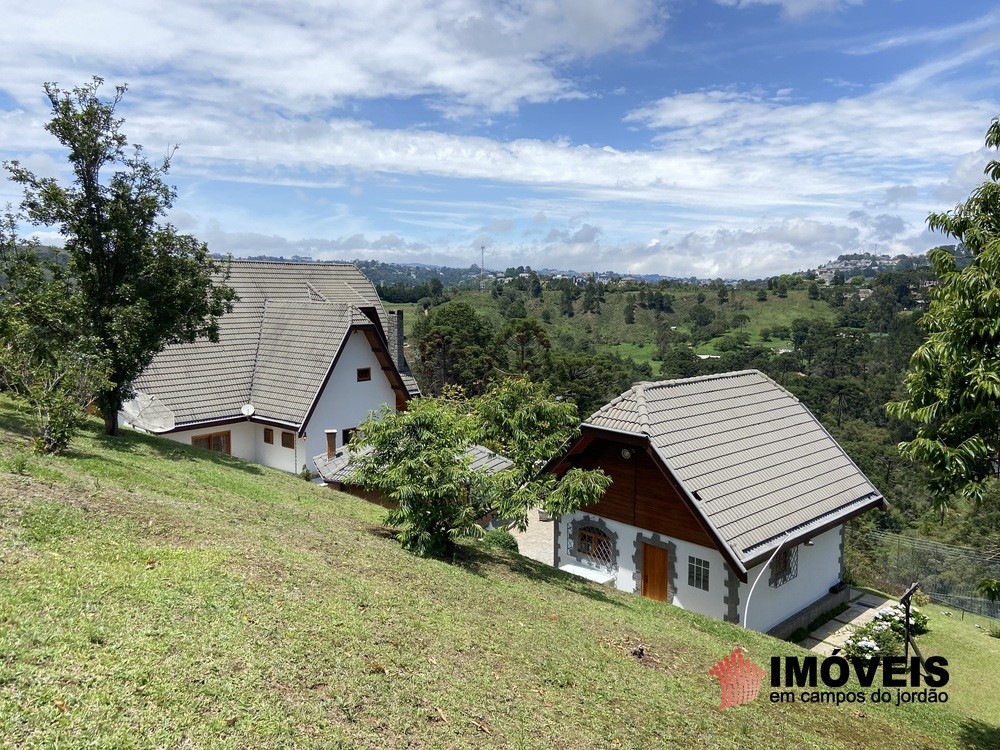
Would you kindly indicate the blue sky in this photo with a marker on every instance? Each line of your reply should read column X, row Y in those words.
column 734, row 138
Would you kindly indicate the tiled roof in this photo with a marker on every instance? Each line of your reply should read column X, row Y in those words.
column 317, row 282
column 274, row 348
column 338, row 468
column 754, row 459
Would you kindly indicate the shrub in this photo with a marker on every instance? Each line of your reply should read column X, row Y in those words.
column 877, row 638
column 501, row 538
column 895, row 616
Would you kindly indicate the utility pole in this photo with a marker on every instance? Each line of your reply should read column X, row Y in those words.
column 482, row 269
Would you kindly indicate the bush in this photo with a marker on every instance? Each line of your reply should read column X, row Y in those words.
column 895, row 616
column 501, row 538
column 877, row 638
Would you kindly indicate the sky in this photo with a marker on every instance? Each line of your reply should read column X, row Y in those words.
column 709, row 138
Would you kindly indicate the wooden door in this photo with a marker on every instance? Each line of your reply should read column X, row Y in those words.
column 654, row 572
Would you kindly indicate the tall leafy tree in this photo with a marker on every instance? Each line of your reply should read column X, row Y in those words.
column 521, row 346
column 141, row 284
column 953, row 386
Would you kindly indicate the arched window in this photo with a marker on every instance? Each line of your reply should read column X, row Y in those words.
column 593, row 543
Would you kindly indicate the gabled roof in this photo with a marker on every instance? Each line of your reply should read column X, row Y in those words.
column 275, row 348
column 303, row 282
column 755, row 463
column 341, row 283
column 338, row 469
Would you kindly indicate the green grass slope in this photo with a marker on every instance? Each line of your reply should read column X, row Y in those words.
column 155, row 595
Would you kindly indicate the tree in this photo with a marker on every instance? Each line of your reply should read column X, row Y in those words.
column 452, row 344
column 629, row 309
column 521, row 345
column 521, row 420
column 141, row 284
column 42, row 359
column 420, row 460
column 953, row 385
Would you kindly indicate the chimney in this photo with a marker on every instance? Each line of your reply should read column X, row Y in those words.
column 399, row 339
column 331, row 443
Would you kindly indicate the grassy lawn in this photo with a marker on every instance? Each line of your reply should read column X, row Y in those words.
column 156, row 595
column 972, row 658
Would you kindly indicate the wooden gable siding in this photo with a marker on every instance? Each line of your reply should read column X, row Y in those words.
column 640, row 493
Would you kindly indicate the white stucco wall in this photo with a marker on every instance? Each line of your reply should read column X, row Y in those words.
column 345, row 402
column 242, row 443
column 247, row 442
column 818, row 570
column 275, row 455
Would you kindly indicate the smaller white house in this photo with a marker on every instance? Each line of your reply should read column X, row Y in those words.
column 305, row 353
column 716, row 481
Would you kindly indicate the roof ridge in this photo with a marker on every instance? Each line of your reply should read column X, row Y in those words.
column 641, row 408
column 311, row 290
column 702, row 378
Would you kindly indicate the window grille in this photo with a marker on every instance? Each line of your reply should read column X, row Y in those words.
column 595, row 544
column 784, row 567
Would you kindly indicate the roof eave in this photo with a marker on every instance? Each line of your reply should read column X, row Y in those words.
column 815, row 528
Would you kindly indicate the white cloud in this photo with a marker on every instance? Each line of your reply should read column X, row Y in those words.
column 795, row 8
column 936, row 35
column 305, row 56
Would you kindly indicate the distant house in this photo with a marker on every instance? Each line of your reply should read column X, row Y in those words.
column 307, row 348
column 713, row 477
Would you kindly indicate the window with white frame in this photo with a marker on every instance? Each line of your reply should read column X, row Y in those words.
column 698, row 573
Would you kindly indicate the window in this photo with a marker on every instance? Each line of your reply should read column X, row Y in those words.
column 349, row 434
column 593, row 543
column 287, row 439
column 364, row 373
column 698, row 573
column 216, row 441
column 784, row 567
column 269, row 436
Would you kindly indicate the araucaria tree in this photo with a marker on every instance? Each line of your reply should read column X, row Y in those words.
column 141, row 284
column 953, row 385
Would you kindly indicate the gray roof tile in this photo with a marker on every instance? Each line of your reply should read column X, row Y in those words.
column 755, row 459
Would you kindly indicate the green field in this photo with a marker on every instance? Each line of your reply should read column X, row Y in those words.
column 156, row 595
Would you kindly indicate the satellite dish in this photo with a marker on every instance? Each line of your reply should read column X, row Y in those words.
column 247, row 410
column 148, row 413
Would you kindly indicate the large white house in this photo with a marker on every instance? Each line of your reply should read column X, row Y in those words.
column 306, row 354
column 714, row 478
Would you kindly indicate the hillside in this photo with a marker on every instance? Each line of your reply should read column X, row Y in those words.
column 638, row 341
column 156, row 595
